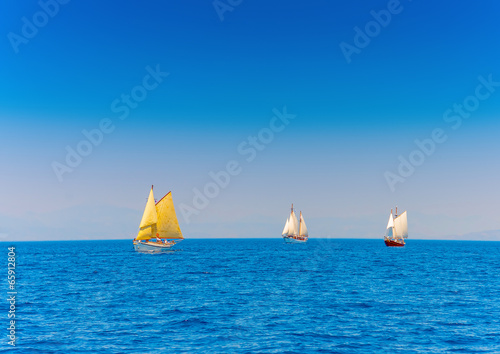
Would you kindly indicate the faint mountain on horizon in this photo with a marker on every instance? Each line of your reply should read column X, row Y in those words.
column 93, row 222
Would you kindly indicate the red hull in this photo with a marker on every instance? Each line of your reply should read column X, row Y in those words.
column 391, row 243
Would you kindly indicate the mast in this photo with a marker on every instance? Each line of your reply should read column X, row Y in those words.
column 393, row 231
column 303, row 227
column 394, row 234
column 292, row 223
column 300, row 223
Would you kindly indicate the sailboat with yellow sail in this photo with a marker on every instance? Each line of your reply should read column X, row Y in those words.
column 159, row 229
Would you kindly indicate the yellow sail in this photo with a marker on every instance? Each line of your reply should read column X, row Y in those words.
column 149, row 219
column 145, row 233
column 167, row 225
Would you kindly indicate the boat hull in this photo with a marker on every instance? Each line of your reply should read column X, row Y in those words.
column 152, row 247
column 295, row 239
column 394, row 243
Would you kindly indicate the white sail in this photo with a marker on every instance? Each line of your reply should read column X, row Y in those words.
column 390, row 227
column 303, row 227
column 285, row 230
column 293, row 225
column 401, row 226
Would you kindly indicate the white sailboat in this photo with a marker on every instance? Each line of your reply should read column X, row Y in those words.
column 397, row 230
column 295, row 231
column 159, row 228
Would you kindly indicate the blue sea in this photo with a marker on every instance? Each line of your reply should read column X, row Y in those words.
column 256, row 296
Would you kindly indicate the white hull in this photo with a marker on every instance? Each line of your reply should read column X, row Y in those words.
column 294, row 239
column 152, row 247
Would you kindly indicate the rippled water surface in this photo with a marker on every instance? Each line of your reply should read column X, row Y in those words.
column 346, row 296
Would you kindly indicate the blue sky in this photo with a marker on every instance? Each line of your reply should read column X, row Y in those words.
column 353, row 120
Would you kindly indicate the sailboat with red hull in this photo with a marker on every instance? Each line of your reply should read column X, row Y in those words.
column 397, row 230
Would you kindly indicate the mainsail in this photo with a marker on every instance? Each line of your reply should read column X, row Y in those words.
column 167, row 225
column 401, row 226
column 293, row 225
column 159, row 220
column 303, row 227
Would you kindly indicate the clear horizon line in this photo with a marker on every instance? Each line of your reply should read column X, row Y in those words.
column 257, row 238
